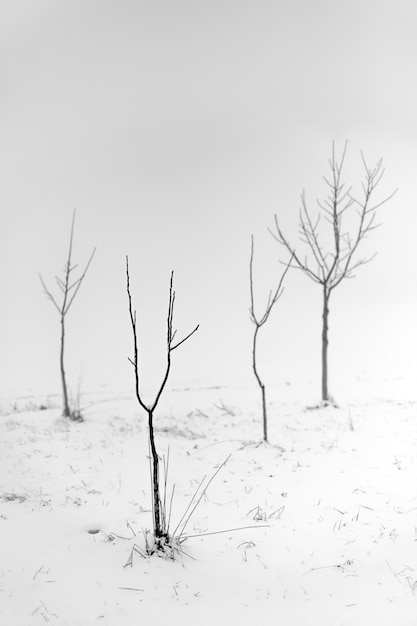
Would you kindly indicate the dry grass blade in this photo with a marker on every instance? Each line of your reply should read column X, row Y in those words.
column 226, row 530
column 193, row 498
column 186, row 518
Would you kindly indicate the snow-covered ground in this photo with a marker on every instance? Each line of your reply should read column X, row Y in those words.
column 317, row 528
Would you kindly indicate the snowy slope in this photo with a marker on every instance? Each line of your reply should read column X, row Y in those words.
column 327, row 511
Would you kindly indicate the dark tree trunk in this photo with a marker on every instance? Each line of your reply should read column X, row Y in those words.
column 158, row 531
column 324, row 345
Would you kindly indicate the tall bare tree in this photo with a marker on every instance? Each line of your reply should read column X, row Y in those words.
column 328, row 266
column 160, row 522
column 69, row 288
column 258, row 322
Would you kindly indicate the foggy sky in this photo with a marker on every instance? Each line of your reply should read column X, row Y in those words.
column 177, row 129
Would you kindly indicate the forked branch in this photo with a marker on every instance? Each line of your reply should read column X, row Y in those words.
column 336, row 263
column 170, row 339
column 68, row 289
column 273, row 297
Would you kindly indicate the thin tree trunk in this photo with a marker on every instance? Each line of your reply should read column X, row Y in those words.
column 66, row 411
column 261, row 385
column 265, row 421
column 155, row 480
column 324, row 345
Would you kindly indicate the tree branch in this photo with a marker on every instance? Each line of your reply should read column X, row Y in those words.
column 170, row 337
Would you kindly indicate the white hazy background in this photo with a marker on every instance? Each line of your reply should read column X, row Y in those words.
column 177, row 129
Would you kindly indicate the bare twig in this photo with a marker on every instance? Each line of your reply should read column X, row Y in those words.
column 224, row 409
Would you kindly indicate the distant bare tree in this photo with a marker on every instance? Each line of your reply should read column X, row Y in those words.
column 160, row 520
column 69, row 289
column 328, row 267
column 260, row 321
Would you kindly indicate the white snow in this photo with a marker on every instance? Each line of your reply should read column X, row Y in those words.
column 328, row 510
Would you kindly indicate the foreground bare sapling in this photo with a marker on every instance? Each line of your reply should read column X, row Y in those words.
column 258, row 322
column 350, row 218
column 69, row 288
column 160, row 515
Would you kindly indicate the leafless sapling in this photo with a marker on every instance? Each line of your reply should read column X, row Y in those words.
column 69, row 288
column 160, row 521
column 258, row 322
column 328, row 266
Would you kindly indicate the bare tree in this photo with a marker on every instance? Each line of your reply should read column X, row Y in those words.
column 160, row 523
column 69, row 289
column 328, row 267
column 258, row 322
